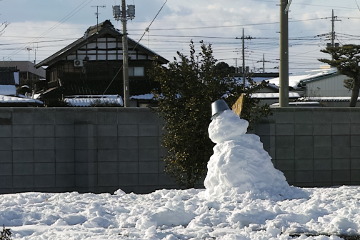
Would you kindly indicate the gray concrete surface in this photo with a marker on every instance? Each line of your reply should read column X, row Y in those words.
column 105, row 149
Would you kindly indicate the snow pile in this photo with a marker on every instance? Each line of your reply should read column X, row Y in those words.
column 181, row 214
column 239, row 163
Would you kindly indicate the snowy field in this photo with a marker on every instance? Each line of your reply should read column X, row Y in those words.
column 182, row 214
column 245, row 197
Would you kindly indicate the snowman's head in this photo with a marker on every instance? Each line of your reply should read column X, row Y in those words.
column 227, row 126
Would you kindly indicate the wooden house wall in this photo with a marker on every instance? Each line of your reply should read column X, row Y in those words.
column 105, row 49
column 102, row 60
column 94, row 77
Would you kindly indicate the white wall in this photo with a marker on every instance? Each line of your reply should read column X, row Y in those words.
column 328, row 87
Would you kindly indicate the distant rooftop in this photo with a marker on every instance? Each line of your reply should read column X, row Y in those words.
column 296, row 78
column 24, row 66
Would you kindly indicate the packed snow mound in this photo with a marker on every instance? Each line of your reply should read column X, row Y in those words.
column 181, row 214
column 240, row 163
column 227, row 126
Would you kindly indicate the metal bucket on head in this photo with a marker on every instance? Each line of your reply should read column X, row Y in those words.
column 218, row 107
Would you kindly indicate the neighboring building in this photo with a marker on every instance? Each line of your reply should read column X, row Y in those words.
column 92, row 65
column 329, row 84
column 271, row 98
column 270, row 94
column 9, row 80
column 325, row 86
column 9, row 97
column 30, row 78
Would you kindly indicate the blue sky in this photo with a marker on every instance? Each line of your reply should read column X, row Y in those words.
column 40, row 27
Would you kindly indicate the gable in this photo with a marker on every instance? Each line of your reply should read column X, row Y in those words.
column 105, row 44
column 105, row 48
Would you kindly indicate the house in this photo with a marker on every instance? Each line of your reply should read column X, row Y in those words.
column 30, row 78
column 9, row 81
column 270, row 94
column 92, row 65
column 324, row 85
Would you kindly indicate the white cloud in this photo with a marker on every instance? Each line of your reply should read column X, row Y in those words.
column 216, row 22
column 44, row 38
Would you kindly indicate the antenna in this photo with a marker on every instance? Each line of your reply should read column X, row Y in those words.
column 29, row 49
column 97, row 14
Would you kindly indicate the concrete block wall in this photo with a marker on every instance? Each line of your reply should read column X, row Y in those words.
column 105, row 149
column 314, row 146
column 81, row 149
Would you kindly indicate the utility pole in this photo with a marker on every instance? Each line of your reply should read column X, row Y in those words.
column 97, row 15
column 284, row 54
column 125, row 56
column 332, row 28
column 243, row 57
column 263, row 62
column 124, row 15
column 243, row 54
column 236, row 66
column 333, row 35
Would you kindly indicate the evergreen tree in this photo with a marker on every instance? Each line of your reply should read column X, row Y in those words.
column 346, row 59
column 188, row 87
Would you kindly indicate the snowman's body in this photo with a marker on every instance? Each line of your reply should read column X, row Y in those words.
column 239, row 163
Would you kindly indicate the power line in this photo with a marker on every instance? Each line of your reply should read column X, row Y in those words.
column 148, row 28
column 357, row 5
column 137, row 43
column 62, row 20
column 236, row 25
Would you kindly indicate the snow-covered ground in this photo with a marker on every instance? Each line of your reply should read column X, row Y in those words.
column 182, row 214
column 245, row 198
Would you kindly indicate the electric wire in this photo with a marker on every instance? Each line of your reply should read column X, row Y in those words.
column 62, row 20
column 357, row 4
column 137, row 43
column 257, row 44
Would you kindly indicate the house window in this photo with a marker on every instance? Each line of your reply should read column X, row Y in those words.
column 136, row 71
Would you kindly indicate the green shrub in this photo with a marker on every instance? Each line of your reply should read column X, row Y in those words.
column 5, row 234
column 188, row 86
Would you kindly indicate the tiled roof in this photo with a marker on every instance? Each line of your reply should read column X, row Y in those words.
column 92, row 33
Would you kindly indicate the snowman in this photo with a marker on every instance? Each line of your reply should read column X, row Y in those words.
column 239, row 163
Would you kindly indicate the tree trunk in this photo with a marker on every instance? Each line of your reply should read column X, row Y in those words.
column 355, row 93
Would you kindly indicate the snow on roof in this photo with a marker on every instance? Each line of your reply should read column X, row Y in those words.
column 301, row 104
column 329, row 99
column 274, row 95
column 13, row 99
column 296, row 78
column 7, row 90
column 88, row 100
column 148, row 96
